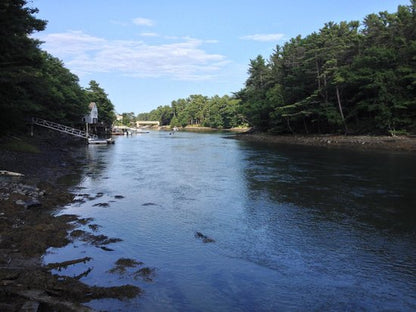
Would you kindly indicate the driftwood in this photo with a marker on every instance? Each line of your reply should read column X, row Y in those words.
column 11, row 173
column 65, row 264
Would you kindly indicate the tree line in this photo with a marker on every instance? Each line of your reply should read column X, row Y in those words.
column 34, row 83
column 348, row 77
column 198, row 110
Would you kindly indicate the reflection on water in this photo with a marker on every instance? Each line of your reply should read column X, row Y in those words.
column 295, row 228
column 371, row 187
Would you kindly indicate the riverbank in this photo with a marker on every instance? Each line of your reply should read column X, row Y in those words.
column 386, row 143
column 33, row 187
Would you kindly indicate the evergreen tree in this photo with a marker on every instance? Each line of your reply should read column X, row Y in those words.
column 255, row 104
column 20, row 61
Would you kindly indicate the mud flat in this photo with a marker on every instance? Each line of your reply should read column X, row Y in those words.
column 31, row 192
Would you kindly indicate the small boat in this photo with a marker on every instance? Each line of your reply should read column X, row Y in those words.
column 100, row 141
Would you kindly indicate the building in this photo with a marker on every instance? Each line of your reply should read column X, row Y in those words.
column 92, row 116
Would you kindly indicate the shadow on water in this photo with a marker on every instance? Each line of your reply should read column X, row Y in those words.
column 337, row 184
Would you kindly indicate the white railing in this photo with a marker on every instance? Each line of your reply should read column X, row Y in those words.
column 61, row 128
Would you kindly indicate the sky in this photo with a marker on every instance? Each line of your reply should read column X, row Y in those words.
column 148, row 53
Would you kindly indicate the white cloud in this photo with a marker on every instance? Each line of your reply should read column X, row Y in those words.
column 149, row 34
column 264, row 37
column 119, row 23
column 183, row 59
column 143, row 21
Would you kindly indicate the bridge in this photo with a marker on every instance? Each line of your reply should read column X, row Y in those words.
column 62, row 128
column 147, row 123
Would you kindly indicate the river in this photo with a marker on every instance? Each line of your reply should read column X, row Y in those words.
column 294, row 228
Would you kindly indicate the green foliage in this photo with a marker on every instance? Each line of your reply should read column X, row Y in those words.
column 128, row 119
column 20, row 61
column 197, row 110
column 58, row 94
column 341, row 79
column 33, row 82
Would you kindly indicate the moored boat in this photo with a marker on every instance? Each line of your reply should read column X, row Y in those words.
column 100, row 141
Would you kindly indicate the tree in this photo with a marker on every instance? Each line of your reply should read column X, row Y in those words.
column 254, row 103
column 20, row 61
column 180, row 115
column 58, row 93
column 384, row 74
column 342, row 78
column 128, row 119
column 96, row 94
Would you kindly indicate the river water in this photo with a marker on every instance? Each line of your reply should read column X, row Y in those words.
column 295, row 228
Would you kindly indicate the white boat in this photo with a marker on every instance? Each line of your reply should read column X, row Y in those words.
column 100, row 141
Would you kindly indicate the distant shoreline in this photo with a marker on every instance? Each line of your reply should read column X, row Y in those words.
column 363, row 142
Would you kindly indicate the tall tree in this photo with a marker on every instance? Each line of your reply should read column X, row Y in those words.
column 254, row 99
column 20, row 60
column 58, row 93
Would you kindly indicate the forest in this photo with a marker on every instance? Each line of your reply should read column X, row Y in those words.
column 34, row 83
column 348, row 77
column 198, row 110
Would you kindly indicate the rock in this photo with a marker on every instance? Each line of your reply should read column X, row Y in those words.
column 30, row 306
column 31, row 203
column 149, row 204
column 20, row 202
column 205, row 239
column 101, row 205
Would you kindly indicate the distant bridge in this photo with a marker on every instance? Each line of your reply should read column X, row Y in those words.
column 147, row 123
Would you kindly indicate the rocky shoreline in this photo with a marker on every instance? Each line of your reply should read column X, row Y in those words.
column 31, row 191
column 385, row 143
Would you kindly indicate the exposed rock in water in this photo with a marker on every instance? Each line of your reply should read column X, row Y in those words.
column 149, row 204
column 124, row 266
column 205, row 239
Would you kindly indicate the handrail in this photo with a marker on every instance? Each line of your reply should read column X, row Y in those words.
column 61, row 128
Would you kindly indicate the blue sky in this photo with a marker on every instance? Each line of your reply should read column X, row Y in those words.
column 148, row 53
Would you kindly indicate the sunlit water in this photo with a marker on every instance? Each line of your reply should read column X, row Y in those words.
column 295, row 228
